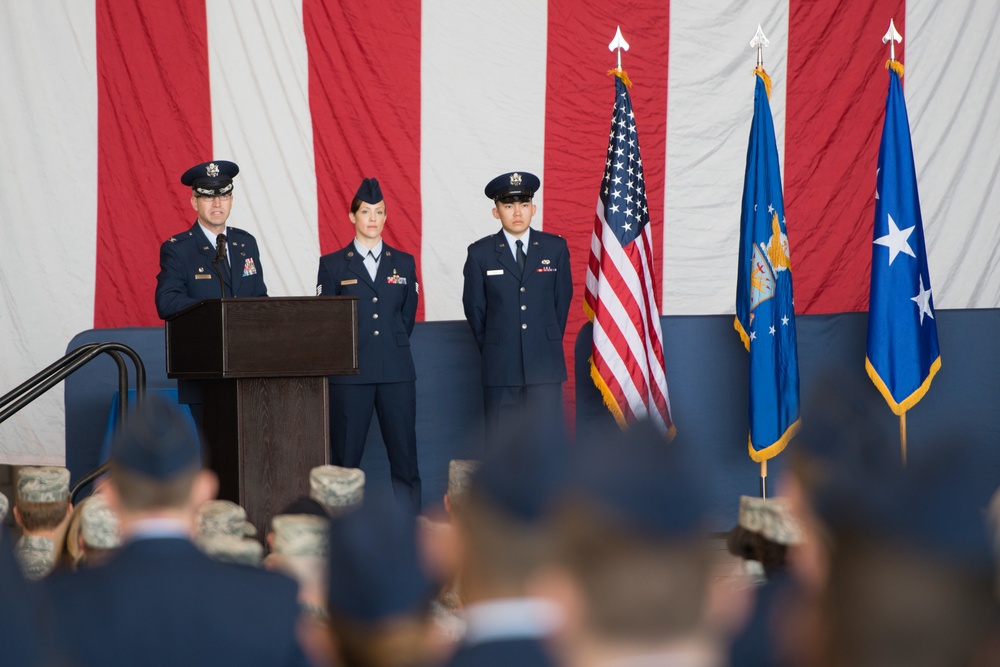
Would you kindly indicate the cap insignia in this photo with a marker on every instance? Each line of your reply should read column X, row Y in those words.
column 212, row 170
column 515, row 179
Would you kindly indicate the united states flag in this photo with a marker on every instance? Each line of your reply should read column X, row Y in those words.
column 627, row 361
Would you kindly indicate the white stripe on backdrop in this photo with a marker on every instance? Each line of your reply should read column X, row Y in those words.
column 259, row 73
column 482, row 99
column 709, row 109
column 48, row 204
column 483, row 95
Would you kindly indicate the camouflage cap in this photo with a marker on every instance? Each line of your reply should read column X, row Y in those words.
column 4, row 507
column 770, row 518
column 223, row 517
column 459, row 475
column 229, row 549
column 36, row 555
column 300, row 535
column 336, row 488
column 99, row 525
column 45, row 484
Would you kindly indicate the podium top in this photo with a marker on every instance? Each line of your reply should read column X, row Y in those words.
column 264, row 337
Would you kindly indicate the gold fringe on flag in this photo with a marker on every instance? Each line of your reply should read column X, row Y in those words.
column 620, row 73
column 759, row 71
column 895, row 66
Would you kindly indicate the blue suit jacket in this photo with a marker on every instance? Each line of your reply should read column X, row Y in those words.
column 387, row 309
column 519, row 320
column 163, row 602
column 187, row 275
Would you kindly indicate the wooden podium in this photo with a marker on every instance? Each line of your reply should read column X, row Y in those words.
column 263, row 365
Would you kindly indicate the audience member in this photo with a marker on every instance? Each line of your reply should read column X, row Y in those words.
column 633, row 567
column 299, row 542
column 378, row 596
column 160, row 601
column 911, row 581
column 336, row 488
column 763, row 535
column 4, row 506
column 503, row 542
column 42, row 511
column 100, row 531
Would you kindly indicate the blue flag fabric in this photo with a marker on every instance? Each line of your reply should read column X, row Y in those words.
column 903, row 354
column 765, row 314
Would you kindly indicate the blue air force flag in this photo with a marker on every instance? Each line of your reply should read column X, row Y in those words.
column 903, row 353
column 765, row 315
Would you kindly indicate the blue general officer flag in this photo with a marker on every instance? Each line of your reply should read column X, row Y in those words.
column 765, row 315
column 903, row 354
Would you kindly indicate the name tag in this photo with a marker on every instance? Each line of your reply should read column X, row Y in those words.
column 352, row 281
column 203, row 276
column 495, row 272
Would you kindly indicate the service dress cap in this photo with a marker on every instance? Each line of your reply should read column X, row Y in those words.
column 211, row 179
column 369, row 191
column 44, row 484
column 513, row 184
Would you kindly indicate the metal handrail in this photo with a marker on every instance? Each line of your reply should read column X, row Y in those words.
column 41, row 382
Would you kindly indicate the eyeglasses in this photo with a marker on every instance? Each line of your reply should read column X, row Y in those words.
column 225, row 197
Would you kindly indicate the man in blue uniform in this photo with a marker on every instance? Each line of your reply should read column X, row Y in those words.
column 193, row 262
column 385, row 281
column 518, row 288
column 161, row 601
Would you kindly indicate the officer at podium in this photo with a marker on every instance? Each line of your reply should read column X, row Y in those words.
column 195, row 262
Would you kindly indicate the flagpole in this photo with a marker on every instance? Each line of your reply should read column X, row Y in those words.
column 763, row 479
column 902, row 436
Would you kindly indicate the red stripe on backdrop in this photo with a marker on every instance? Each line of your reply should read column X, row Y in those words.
column 578, row 105
column 364, row 96
column 154, row 120
column 831, row 149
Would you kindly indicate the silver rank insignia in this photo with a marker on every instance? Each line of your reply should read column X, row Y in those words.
column 212, row 170
column 515, row 179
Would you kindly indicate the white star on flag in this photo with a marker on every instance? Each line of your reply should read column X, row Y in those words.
column 896, row 241
column 923, row 301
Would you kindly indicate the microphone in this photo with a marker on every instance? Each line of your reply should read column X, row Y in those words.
column 220, row 256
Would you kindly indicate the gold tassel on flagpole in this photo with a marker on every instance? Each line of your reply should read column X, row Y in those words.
column 620, row 73
column 895, row 66
column 759, row 71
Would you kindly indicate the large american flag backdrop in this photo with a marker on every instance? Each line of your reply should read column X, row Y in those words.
column 106, row 102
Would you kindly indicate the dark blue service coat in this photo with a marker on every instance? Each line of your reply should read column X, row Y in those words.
column 163, row 602
column 387, row 309
column 519, row 320
column 187, row 275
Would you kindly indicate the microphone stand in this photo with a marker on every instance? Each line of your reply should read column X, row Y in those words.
column 220, row 250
